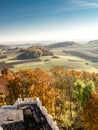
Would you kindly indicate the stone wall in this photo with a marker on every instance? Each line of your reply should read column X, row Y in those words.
column 31, row 111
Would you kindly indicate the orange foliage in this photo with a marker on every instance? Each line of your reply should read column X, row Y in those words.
column 90, row 114
column 54, row 88
column 37, row 83
column 3, row 89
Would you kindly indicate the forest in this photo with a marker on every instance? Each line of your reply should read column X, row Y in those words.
column 70, row 96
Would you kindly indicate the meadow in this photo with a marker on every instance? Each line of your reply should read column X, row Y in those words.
column 77, row 57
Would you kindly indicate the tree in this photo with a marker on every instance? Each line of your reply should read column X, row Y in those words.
column 44, row 88
column 83, row 91
column 36, row 83
column 65, row 82
column 6, row 71
column 90, row 112
column 34, row 52
column 0, row 51
column 18, row 86
column 3, row 87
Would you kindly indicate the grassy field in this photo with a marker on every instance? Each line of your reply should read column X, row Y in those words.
column 47, row 62
column 73, row 58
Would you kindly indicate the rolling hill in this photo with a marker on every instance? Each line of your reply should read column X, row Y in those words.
column 68, row 44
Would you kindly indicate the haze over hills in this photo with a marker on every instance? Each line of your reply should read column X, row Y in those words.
column 93, row 42
column 74, row 44
column 53, row 44
column 64, row 44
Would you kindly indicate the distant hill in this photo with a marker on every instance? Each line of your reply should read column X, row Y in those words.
column 4, row 47
column 93, row 43
column 64, row 44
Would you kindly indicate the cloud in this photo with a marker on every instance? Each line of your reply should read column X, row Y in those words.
column 74, row 5
column 84, row 4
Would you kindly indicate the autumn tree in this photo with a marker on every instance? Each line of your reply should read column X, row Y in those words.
column 36, row 83
column 44, row 89
column 90, row 113
column 83, row 91
column 6, row 71
column 3, row 88
column 19, row 85
column 65, row 82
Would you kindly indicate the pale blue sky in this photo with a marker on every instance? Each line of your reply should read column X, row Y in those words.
column 36, row 20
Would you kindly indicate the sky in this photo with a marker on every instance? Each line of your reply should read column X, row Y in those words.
column 48, row 20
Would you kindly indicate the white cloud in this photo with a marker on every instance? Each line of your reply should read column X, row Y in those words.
column 74, row 5
column 84, row 4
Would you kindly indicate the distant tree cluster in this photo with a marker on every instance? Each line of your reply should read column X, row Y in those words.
column 34, row 52
column 0, row 51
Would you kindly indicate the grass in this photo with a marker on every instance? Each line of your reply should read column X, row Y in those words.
column 70, row 62
column 47, row 62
